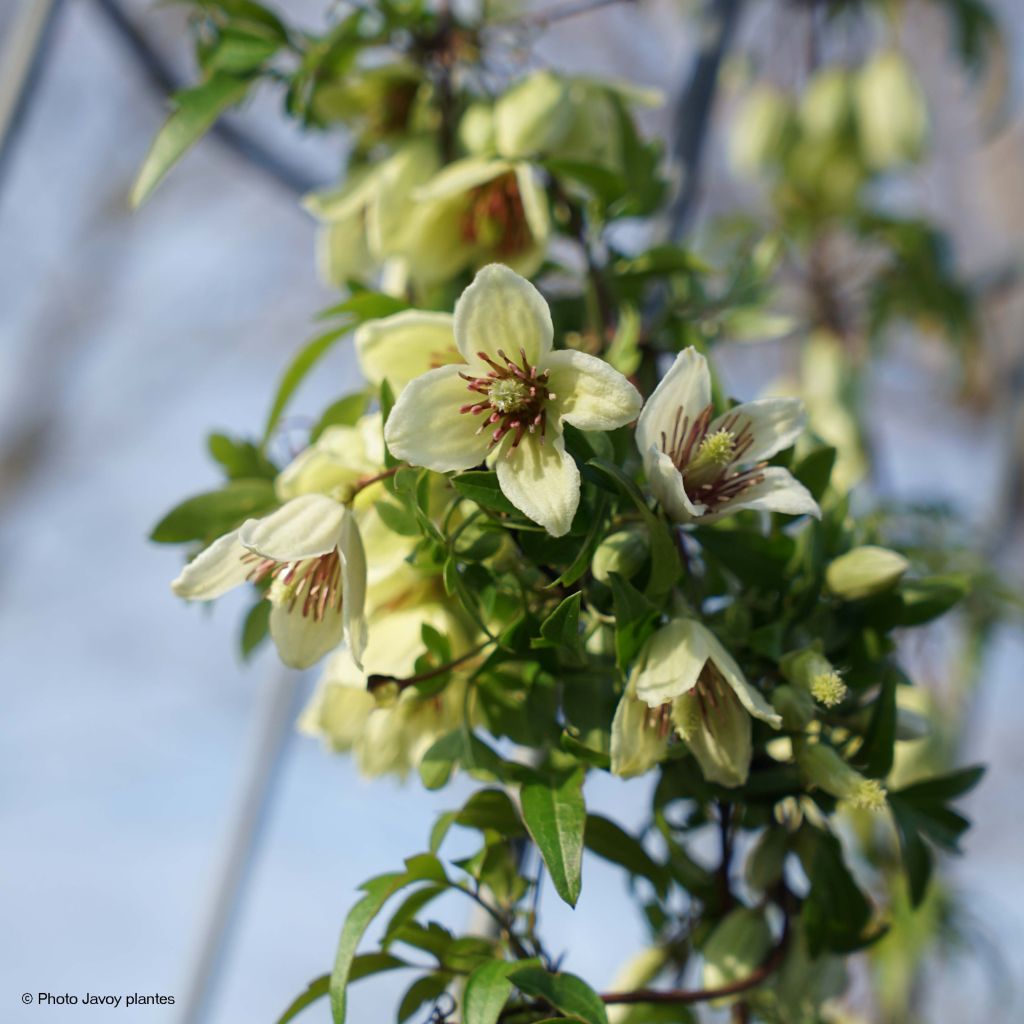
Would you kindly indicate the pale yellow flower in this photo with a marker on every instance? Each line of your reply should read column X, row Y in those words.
column 311, row 550
column 509, row 399
column 701, row 467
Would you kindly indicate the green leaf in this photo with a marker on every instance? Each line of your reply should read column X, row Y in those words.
column 316, row 989
column 491, row 809
column 555, row 816
column 307, row 358
column 814, row 470
column 365, row 305
column 876, row 754
column 207, row 516
column 572, row 995
column 487, row 992
column 240, row 459
column 345, row 412
column 664, row 555
column 753, row 558
column 617, row 846
column 836, row 913
column 241, row 51
column 255, row 627
column 195, row 112
column 424, row 990
column 634, row 616
column 409, row 908
column 561, row 629
column 483, row 488
column 377, row 892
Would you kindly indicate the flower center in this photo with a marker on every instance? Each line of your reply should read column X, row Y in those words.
column 512, row 396
column 707, row 460
column 316, row 582
column 495, row 217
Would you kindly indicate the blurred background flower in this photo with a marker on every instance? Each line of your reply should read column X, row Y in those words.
column 135, row 743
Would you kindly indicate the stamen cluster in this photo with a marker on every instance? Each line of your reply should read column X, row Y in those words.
column 316, row 582
column 707, row 460
column 513, row 395
column 495, row 217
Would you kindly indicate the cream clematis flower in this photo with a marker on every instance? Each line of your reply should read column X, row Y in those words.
column 366, row 220
column 474, row 211
column 510, row 398
column 702, row 468
column 684, row 675
column 400, row 347
column 311, row 549
column 392, row 738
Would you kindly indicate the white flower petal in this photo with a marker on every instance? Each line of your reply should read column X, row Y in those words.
column 773, row 423
column 501, row 310
column 670, row 663
column 353, row 584
column 403, row 346
column 535, row 205
column 750, row 698
column 779, row 491
column 305, row 527
column 460, row 177
column 426, row 428
column 687, row 385
column 302, row 640
column 542, row 481
column 635, row 746
column 720, row 739
column 666, row 484
column 591, row 395
column 214, row 571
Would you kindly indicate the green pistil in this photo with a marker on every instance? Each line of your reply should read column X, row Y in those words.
column 509, row 395
column 715, row 452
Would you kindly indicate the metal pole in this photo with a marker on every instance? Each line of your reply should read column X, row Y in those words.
column 275, row 717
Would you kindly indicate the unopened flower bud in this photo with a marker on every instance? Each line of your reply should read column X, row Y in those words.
column 823, row 767
column 864, row 572
column 623, row 552
column 892, row 119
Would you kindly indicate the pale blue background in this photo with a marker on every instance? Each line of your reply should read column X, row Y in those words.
column 127, row 716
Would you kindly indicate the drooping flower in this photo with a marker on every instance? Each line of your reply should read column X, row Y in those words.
column 475, row 211
column 311, row 551
column 684, row 675
column 509, row 400
column 367, row 220
column 702, row 467
column 389, row 738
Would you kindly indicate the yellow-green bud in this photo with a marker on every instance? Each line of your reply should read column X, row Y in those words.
column 476, row 129
column 864, row 572
column 823, row 767
column 825, row 106
column 766, row 859
column 623, row 552
column 735, row 949
column 759, row 130
column 795, row 706
column 892, row 119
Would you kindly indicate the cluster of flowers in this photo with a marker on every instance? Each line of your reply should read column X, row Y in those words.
column 485, row 386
